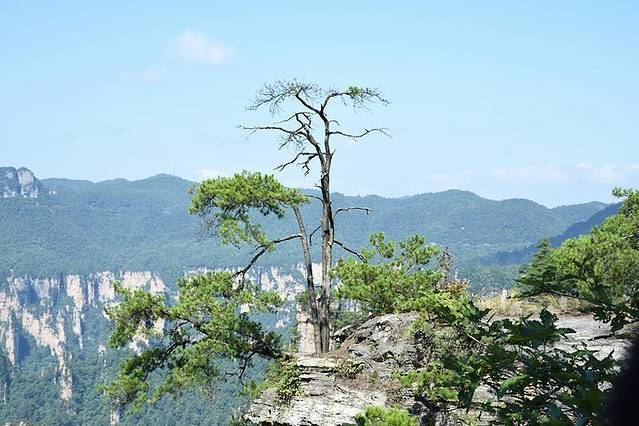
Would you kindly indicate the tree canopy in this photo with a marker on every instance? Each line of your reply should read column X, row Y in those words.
column 208, row 334
column 601, row 269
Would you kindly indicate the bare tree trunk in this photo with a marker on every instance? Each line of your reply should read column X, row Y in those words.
column 310, row 284
column 328, row 236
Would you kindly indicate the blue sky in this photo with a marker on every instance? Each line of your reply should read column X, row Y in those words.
column 507, row 99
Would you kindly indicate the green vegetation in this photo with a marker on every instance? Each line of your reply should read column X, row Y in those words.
column 532, row 381
column 207, row 334
column 220, row 326
column 577, row 229
column 225, row 204
column 400, row 282
column 599, row 269
column 386, row 280
column 144, row 225
column 284, row 376
column 349, row 369
column 33, row 397
column 378, row 416
column 121, row 225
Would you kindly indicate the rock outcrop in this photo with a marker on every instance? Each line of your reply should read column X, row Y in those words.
column 336, row 386
column 324, row 397
column 333, row 388
column 19, row 183
column 594, row 334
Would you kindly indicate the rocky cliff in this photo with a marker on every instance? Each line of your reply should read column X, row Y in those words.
column 52, row 313
column 334, row 387
column 19, row 183
column 55, row 329
column 52, row 328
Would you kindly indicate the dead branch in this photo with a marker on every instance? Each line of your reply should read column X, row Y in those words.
column 309, row 155
column 261, row 250
column 361, row 135
column 351, row 251
column 349, row 209
column 310, row 237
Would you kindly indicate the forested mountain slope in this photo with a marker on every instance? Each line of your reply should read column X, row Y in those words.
column 80, row 227
column 575, row 230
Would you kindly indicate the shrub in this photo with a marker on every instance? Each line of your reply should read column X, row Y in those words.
column 378, row 416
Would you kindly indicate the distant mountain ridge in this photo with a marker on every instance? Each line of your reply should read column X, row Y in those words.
column 78, row 226
column 575, row 230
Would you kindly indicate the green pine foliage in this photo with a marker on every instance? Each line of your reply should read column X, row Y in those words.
column 399, row 277
column 283, row 376
column 213, row 330
column 208, row 334
column 378, row 416
column 389, row 277
column 226, row 203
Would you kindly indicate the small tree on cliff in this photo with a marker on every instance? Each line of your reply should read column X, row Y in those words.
column 309, row 130
column 211, row 331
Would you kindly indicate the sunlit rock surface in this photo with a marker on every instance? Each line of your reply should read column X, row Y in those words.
column 35, row 309
column 18, row 183
column 334, row 387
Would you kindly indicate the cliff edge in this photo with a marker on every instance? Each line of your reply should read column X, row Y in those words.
column 334, row 387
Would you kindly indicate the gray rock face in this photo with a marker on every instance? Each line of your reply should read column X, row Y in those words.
column 323, row 398
column 18, row 183
column 335, row 387
column 384, row 345
column 593, row 334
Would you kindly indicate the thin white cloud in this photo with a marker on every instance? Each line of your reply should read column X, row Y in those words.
column 210, row 174
column 584, row 166
column 609, row 173
column 549, row 174
column 196, row 47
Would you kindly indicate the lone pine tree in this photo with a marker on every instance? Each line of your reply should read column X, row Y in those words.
column 309, row 130
column 212, row 330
